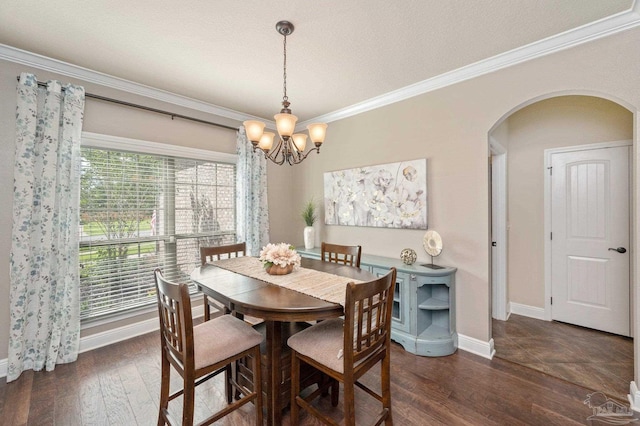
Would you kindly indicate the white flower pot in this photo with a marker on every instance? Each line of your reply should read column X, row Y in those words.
column 309, row 237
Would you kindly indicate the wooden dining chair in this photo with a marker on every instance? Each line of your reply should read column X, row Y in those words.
column 345, row 349
column 202, row 352
column 216, row 253
column 346, row 255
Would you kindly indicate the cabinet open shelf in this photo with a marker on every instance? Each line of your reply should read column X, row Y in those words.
column 435, row 332
column 433, row 304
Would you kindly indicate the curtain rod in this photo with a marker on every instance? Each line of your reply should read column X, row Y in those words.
column 145, row 108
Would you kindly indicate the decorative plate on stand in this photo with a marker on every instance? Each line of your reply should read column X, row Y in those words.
column 432, row 243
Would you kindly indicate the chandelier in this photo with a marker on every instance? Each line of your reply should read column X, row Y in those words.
column 289, row 146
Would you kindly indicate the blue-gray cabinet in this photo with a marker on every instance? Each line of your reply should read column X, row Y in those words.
column 423, row 304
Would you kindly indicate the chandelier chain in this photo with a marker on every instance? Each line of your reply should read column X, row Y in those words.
column 289, row 147
column 285, row 97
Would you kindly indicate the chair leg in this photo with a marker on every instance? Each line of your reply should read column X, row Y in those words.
column 228, row 389
column 295, row 387
column 236, row 375
column 164, row 388
column 349, row 403
column 188, row 402
column 385, row 384
column 207, row 309
column 257, row 385
column 335, row 392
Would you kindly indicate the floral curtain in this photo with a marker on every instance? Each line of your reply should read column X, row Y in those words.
column 45, row 285
column 252, row 210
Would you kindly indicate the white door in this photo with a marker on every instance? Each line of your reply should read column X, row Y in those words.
column 590, row 238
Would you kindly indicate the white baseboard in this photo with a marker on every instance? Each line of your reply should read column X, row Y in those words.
column 527, row 311
column 110, row 337
column 475, row 346
column 634, row 397
column 119, row 334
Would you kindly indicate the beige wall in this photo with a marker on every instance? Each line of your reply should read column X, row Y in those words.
column 115, row 120
column 282, row 212
column 553, row 123
column 450, row 128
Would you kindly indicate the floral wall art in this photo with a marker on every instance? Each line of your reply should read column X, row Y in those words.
column 390, row 195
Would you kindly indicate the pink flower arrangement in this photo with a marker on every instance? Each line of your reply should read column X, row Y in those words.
column 281, row 254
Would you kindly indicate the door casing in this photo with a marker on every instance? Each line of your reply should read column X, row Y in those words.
column 499, row 288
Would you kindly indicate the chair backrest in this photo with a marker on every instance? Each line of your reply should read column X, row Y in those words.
column 346, row 255
column 368, row 309
column 176, row 323
column 219, row 252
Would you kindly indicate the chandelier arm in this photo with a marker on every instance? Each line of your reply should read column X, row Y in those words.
column 274, row 159
column 280, row 154
column 274, row 153
column 287, row 151
column 303, row 157
column 280, row 162
column 279, row 147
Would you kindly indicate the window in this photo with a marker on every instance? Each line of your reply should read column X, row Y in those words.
column 142, row 211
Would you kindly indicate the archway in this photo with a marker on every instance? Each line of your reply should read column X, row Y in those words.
column 550, row 121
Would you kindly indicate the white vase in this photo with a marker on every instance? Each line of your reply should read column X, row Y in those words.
column 309, row 237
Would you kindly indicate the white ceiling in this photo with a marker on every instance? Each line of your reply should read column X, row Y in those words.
column 228, row 53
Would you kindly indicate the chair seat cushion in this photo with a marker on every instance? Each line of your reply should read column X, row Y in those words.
column 222, row 338
column 323, row 343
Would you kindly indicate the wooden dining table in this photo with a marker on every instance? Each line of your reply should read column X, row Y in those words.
column 276, row 305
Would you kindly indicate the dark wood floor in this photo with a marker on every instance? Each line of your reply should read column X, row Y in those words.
column 119, row 385
column 591, row 358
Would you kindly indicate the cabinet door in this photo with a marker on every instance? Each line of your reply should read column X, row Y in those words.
column 400, row 314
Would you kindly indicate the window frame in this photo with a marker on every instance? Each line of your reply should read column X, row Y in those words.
column 109, row 142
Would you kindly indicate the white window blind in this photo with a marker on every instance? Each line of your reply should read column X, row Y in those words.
column 139, row 212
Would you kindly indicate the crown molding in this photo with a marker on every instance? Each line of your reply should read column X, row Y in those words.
column 19, row 56
column 589, row 32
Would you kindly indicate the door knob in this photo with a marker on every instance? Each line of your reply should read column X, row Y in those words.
column 619, row 249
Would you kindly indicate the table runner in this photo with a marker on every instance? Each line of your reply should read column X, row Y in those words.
column 321, row 285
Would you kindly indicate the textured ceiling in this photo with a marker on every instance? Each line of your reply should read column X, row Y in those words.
column 227, row 52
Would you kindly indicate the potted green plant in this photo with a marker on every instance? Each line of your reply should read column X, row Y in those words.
column 309, row 216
